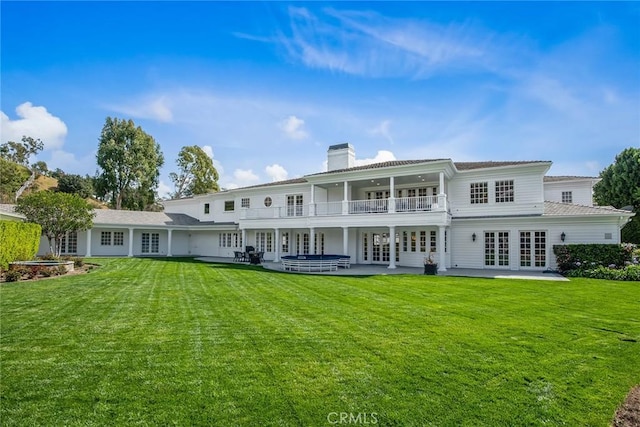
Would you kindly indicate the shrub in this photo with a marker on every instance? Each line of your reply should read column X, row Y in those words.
column 590, row 256
column 12, row 275
column 628, row 273
column 20, row 241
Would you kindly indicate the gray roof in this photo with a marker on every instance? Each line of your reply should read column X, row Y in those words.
column 387, row 164
column 10, row 210
column 463, row 166
column 568, row 209
column 561, row 178
column 113, row 217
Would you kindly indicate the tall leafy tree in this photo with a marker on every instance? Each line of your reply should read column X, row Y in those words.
column 76, row 184
column 57, row 214
column 21, row 152
column 620, row 187
column 129, row 162
column 197, row 174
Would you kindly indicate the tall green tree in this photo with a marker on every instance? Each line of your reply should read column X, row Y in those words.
column 57, row 214
column 197, row 174
column 76, row 184
column 129, row 162
column 21, row 152
column 620, row 187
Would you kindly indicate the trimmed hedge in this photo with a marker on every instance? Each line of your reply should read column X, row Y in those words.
column 628, row 273
column 598, row 261
column 19, row 241
column 589, row 256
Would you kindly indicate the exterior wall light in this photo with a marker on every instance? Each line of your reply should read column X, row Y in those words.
column 563, row 236
column 473, row 237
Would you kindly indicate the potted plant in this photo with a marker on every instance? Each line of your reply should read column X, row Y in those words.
column 430, row 267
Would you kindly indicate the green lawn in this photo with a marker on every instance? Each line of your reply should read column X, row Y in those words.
column 178, row 342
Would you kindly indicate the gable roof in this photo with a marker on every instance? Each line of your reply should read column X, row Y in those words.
column 560, row 178
column 464, row 166
column 138, row 218
column 10, row 211
column 568, row 209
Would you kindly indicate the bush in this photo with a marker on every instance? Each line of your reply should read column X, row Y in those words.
column 572, row 257
column 20, row 241
column 12, row 275
column 628, row 273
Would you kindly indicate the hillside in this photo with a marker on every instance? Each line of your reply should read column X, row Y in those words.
column 13, row 176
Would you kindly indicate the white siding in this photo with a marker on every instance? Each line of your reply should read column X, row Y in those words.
column 581, row 191
column 528, row 193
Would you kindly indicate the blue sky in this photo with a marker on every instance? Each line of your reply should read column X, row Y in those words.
column 267, row 87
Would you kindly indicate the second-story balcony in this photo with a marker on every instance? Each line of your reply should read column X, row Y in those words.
column 352, row 207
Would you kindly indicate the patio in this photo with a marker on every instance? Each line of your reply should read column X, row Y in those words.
column 373, row 270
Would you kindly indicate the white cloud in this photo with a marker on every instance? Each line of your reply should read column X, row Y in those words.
column 241, row 178
column 383, row 129
column 276, row 172
column 36, row 122
column 366, row 43
column 208, row 150
column 293, row 127
column 381, row 156
column 164, row 191
column 154, row 108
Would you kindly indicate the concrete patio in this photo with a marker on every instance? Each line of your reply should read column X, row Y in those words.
column 373, row 270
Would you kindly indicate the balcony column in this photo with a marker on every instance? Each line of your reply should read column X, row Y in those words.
column 130, row 242
column 312, row 241
column 345, row 199
column 169, row 235
column 345, row 240
column 276, row 249
column 244, row 239
column 392, row 195
column 392, row 247
column 312, row 202
column 88, row 251
column 441, row 246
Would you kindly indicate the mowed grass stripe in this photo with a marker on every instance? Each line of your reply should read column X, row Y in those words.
column 145, row 341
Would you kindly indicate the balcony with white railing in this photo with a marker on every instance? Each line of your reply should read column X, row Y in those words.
column 352, row 207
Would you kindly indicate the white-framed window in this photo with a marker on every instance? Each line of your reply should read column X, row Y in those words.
column 150, row 243
column 318, row 244
column 479, row 192
column 504, row 191
column 533, row 249
column 245, row 202
column 567, row 197
column 118, row 238
column 295, row 205
column 229, row 205
column 69, row 244
column 264, row 242
column 433, row 242
column 105, row 238
column 413, row 241
column 423, row 241
column 207, row 208
column 268, row 201
column 285, row 242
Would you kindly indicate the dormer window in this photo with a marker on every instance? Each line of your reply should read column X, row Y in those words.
column 567, row 197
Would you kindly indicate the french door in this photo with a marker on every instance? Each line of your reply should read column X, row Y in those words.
column 533, row 249
column 496, row 249
column 376, row 247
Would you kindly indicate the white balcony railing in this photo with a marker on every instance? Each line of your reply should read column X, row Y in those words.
column 351, row 207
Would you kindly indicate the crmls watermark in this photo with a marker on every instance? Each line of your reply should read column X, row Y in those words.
column 362, row 418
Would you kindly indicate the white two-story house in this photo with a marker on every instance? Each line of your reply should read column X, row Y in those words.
column 497, row 215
